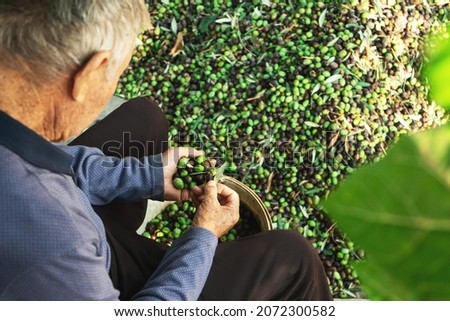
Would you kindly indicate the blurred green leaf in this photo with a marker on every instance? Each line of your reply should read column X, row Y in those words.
column 438, row 70
column 398, row 211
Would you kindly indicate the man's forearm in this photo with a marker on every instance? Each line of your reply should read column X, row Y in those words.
column 182, row 273
column 104, row 179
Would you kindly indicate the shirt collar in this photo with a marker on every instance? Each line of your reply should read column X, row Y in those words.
column 32, row 147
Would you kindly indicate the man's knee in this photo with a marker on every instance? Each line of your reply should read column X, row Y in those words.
column 291, row 248
column 288, row 239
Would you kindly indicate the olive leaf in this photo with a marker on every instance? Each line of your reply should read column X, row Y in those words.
column 333, row 79
column 220, row 172
column 398, row 211
column 315, row 89
column 322, row 18
column 174, row 26
column 333, row 42
column 206, row 22
column 311, row 124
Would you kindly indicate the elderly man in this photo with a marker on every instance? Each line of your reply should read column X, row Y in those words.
column 69, row 213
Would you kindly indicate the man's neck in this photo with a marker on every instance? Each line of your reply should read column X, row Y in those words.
column 28, row 103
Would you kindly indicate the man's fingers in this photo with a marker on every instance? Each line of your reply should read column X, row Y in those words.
column 197, row 191
column 184, row 194
column 213, row 190
column 197, row 195
column 189, row 152
column 225, row 191
column 210, row 190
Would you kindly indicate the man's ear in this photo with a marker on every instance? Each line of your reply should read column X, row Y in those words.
column 91, row 73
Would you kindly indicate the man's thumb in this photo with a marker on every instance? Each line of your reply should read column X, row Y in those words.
column 210, row 189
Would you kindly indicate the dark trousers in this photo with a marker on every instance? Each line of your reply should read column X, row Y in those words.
column 276, row 265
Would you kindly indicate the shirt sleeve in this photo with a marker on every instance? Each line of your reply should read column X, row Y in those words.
column 104, row 179
column 182, row 273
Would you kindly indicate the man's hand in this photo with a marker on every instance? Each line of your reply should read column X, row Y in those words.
column 217, row 208
column 170, row 161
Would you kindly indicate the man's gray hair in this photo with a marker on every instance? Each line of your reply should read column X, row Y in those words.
column 50, row 38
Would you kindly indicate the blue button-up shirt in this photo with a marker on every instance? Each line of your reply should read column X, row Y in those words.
column 53, row 245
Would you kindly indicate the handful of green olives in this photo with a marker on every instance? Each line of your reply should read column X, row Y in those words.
column 193, row 172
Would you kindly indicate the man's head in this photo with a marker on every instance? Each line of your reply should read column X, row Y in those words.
column 88, row 43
